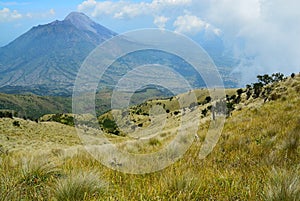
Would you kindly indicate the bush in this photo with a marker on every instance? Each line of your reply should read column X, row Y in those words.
column 293, row 75
column 239, row 92
column 207, row 99
column 277, row 77
column 16, row 123
column 274, row 96
column 204, row 112
column 257, row 89
column 176, row 112
column 7, row 114
column 63, row 118
column 154, row 142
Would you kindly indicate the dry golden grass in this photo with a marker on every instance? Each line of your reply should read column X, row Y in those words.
column 256, row 158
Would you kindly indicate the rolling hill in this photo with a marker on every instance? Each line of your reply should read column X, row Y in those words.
column 256, row 158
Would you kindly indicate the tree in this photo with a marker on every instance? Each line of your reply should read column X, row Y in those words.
column 265, row 79
column 207, row 99
column 277, row 77
column 248, row 87
column 239, row 92
column 16, row 123
column 204, row 112
column 293, row 75
column 257, row 89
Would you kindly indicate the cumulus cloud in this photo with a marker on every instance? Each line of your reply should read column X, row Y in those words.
column 7, row 15
column 263, row 33
column 160, row 21
column 191, row 24
column 128, row 9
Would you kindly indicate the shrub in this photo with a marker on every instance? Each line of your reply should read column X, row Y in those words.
column 239, row 92
column 176, row 112
column 16, row 123
column 257, row 89
column 207, row 99
column 204, row 112
column 233, row 97
column 109, row 126
column 154, row 142
column 265, row 79
column 293, row 75
column 277, row 77
column 7, row 114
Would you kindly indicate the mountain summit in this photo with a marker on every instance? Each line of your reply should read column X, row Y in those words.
column 83, row 22
column 47, row 57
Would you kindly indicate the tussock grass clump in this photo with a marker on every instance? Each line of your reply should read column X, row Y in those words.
column 36, row 178
column 292, row 142
column 154, row 142
column 28, row 180
column 283, row 185
column 184, row 186
column 79, row 186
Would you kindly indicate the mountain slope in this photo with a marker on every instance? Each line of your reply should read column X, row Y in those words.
column 50, row 55
column 256, row 158
column 46, row 59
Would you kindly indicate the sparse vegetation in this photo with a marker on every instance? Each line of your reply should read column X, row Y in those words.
column 16, row 123
column 257, row 156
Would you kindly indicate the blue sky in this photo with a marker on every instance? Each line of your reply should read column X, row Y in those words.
column 263, row 34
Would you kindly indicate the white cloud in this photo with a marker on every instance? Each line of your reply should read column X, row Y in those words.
column 160, row 21
column 7, row 15
column 46, row 14
column 52, row 11
column 128, row 9
column 264, row 33
column 189, row 24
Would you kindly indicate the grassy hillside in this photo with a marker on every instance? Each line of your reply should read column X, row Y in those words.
column 256, row 158
column 32, row 106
